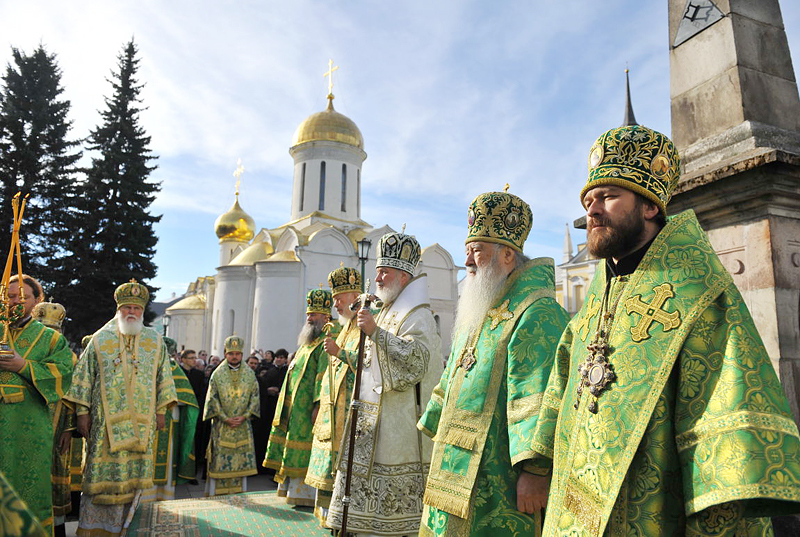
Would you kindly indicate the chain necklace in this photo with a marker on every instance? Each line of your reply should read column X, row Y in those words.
column 596, row 372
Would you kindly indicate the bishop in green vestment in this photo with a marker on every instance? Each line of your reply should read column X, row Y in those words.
column 483, row 412
column 289, row 447
column 231, row 402
column 663, row 414
column 336, row 389
column 122, row 390
column 36, row 376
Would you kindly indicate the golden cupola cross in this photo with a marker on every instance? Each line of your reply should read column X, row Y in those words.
column 652, row 312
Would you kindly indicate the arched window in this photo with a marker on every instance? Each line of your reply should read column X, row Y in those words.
column 344, row 188
column 322, row 186
column 302, row 186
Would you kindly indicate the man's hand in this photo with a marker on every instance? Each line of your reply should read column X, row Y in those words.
column 13, row 364
column 64, row 441
column 331, row 347
column 366, row 321
column 161, row 422
column 235, row 421
column 84, row 425
column 532, row 492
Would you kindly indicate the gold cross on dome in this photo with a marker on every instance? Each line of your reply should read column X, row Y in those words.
column 238, row 174
column 500, row 314
column 652, row 312
column 505, row 189
column 329, row 74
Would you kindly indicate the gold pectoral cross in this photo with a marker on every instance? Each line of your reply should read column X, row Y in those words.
column 652, row 312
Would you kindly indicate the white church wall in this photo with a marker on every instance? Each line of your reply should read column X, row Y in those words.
column 233, row 306
column 280, row 300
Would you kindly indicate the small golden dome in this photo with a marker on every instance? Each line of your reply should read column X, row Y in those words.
column 235, row 225
column 328, row 125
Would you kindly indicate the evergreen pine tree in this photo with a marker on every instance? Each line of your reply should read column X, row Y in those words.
column 118, row 240
column 36, row 158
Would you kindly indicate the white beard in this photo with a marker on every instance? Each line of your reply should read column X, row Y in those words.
column 309, row 333
column 389, row 293
column 478, row 295
column 128, row 327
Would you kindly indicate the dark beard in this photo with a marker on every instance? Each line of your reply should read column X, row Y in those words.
column 617, row 239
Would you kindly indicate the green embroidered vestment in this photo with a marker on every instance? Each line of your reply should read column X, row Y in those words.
column 26, row 426
column 290, row 441
column 231, row 453
column 122, row 389
column 483, row 415
column 695, row 432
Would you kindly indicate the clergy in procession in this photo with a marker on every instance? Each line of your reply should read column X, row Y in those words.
column 52, row 315
column 231, row 402
column 336, row 388
column 35, row 374
column 663, row 414
column 289, row 447
column 122, row 390
column 401, row 366
column 483, row 413
column 174, row 444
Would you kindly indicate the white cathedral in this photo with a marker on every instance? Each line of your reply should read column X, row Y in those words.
column 259, row 290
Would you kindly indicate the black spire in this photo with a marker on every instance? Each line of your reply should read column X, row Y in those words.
column 630, row 119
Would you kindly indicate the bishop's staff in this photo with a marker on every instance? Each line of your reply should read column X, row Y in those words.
column 9, row 314
column 363, row 302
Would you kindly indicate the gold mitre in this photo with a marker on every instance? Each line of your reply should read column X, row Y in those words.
column 50, row 314
column 344, row 280
column 132, row 294
column 234, row 344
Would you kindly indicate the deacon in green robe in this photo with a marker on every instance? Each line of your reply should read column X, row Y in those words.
column 338, row 379
column 289, row 447
column 483, row 412
column 122, row 390
column 663, row 414
column 231, row 402
column 174, row 444
column 35, row 378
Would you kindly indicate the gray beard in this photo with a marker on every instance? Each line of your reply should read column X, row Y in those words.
column 478, row 295
column 308, row 334
column 128, row 328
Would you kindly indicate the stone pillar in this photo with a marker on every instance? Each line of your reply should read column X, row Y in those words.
column 736, row 124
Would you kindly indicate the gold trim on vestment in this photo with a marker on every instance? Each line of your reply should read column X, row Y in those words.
column 584, row 507
column 742, row 492
column 524, row 407
column 231, row 474
column 452, row 492
column 734, row 422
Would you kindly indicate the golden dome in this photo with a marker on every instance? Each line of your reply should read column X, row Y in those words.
column 328, row 125
column 235, row 225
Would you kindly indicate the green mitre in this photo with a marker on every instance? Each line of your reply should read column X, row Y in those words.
column 344, row 280
column 234, row 344
column 501, row 218
column 638, row 159
column 319, row 301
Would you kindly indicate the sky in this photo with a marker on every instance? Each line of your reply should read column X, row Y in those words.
column 453, row 98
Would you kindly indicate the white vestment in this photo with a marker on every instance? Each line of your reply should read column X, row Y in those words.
column 403, row 363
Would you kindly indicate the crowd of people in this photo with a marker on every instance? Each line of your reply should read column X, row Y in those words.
column 654, row 411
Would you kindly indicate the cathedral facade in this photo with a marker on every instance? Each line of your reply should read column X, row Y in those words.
column 259, row 289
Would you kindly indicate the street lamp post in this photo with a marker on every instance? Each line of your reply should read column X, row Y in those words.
column 363, row 254
column 165, row 323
